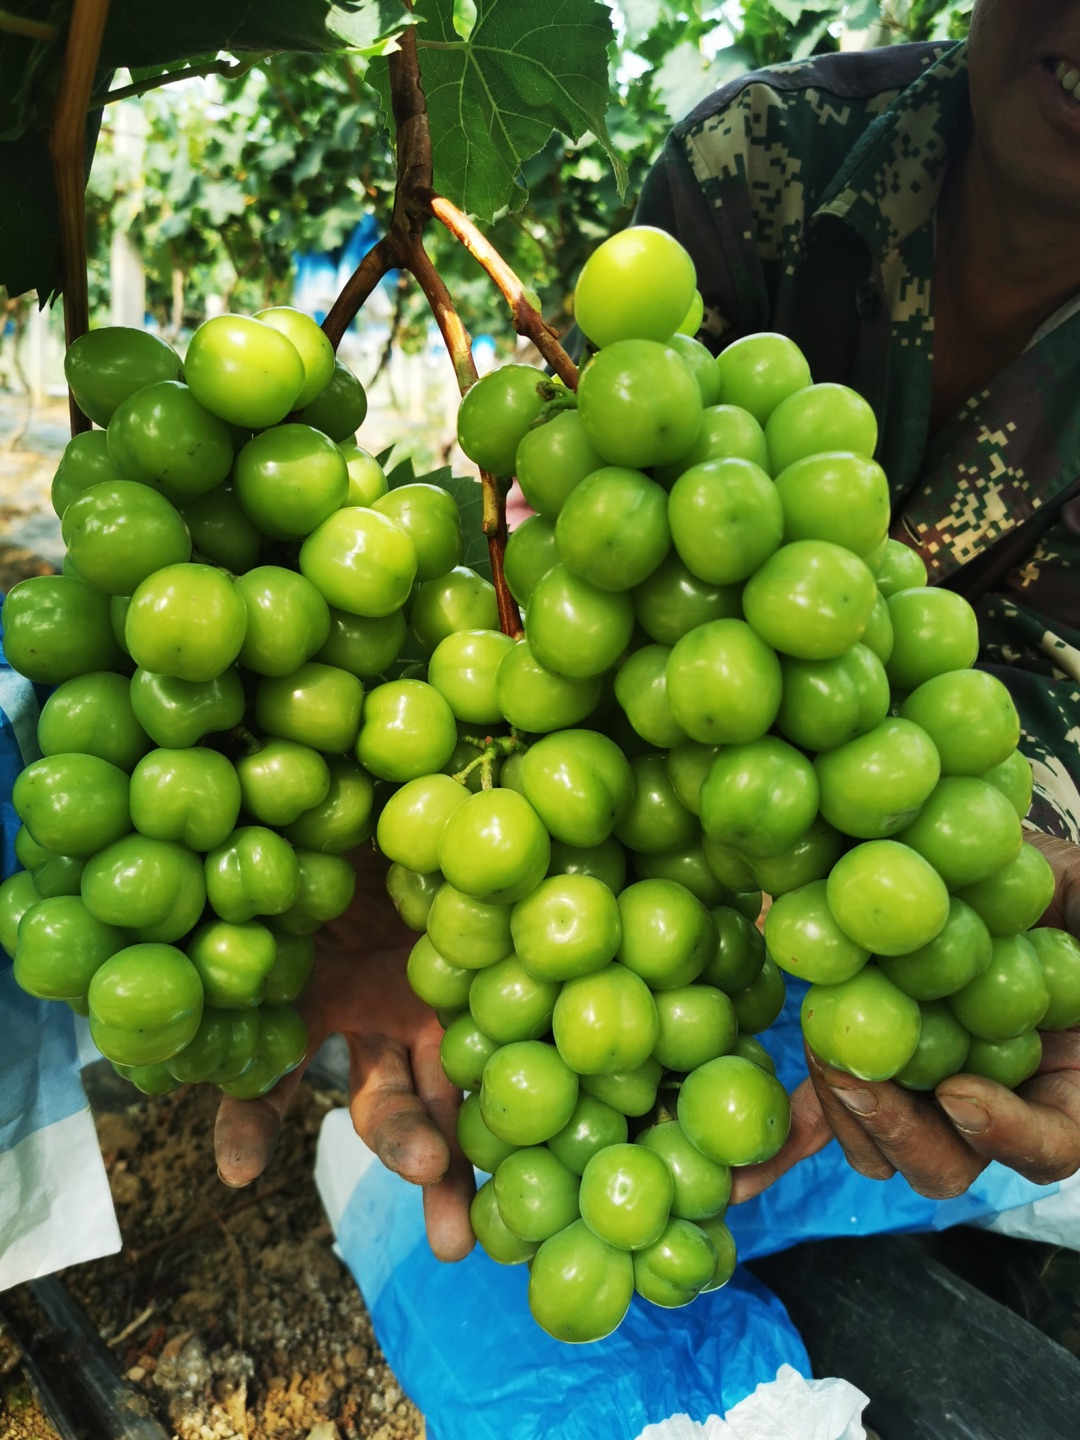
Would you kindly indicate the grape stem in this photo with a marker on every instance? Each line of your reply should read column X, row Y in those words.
column 12, row 24
column 455, row 336
column 491, row 748
column 463, row 774
column 375, row 264
column 229, row 69
column 67, row 146
column 456, row 339
column 528, row 321
column 402, row 246
column 502, row 745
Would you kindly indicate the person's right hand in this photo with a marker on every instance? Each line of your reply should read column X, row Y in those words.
column 402, row 1105
column 941, row 1142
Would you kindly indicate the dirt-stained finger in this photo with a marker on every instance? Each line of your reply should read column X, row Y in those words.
column 245, row 1131
column 446, row 1205
column 389, row 1115
column 1035, row 1131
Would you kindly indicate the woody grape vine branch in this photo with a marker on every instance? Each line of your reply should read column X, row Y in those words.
column 456, row 339
column 67, row 146
column 381, row 258
column 415, row 204
column 528, row 321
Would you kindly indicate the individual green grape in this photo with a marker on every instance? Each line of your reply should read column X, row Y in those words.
column 553, row 458
column 639, row 403
column 458, row 600
column 531, row 552
column 367, row 478
column 638, row 284
column 612, row 529
column 496, row 413
column 340, row 407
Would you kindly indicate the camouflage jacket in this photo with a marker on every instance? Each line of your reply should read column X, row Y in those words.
column 807, row 196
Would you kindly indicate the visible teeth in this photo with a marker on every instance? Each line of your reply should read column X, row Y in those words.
column 1068, row 78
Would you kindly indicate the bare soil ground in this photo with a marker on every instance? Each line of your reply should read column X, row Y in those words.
column 227, row 1309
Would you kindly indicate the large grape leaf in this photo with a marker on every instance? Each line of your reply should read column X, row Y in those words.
column 495, row 98
column 686, row 75
column 466, row 491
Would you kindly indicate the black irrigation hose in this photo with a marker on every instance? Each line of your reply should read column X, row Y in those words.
column 46, row 1395
column 75, row 1376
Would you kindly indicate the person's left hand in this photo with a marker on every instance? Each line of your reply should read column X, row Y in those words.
column 942, row 1142
column 401, row 1103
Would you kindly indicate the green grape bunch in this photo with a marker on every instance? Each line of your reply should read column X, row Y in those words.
column 233, row 591
column 732, row 684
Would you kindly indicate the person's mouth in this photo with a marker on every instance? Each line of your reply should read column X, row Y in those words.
column 1058, row 92
column 1067, row 74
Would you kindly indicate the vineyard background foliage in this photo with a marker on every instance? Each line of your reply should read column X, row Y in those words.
column 265, row 136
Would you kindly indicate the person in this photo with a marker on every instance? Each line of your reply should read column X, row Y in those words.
column 911, row 217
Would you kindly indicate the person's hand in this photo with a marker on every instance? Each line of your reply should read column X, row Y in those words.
column 941, row 1143
column 402, row 1105
column 1063, row 911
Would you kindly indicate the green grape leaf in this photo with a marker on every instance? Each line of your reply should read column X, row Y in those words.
column 687, row 75
column 861, row 14
column 464, row 17
column 439, row 477
column 495, row 98
column 466, row 491
column 403, row 473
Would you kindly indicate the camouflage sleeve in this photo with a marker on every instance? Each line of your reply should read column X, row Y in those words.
column 1041, row 667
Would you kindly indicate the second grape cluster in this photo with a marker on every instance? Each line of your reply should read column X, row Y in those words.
column 732, row 681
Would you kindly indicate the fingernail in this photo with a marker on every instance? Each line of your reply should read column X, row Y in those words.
column 232, row 1184
column 862, row 1102
column 965, row 1114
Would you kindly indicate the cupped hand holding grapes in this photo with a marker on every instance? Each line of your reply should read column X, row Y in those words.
column 942, row 1143
column 401, row 1103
